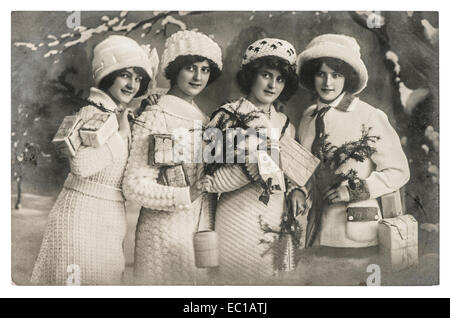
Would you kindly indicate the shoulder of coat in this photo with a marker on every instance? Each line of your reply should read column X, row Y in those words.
column 367, row 111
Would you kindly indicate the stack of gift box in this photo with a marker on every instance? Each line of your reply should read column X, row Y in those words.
column 73, row 132
column 67, row 139
column 397, row 234
column 160, row 154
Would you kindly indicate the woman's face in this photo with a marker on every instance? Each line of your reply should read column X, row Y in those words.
column 267, row 86
column 125, row 86
column 192, row 79
column 329, row 84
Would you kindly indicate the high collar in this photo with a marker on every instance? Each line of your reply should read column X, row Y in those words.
column 343, row 103
column 179, row 107
column 101, row 98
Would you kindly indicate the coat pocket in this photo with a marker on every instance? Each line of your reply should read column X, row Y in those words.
column 362, row 223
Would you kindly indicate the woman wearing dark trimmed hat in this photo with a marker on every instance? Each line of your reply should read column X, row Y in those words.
column 361, row 155
column 249, row 208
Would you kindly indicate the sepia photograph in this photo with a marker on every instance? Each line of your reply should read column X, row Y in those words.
column 216, row 148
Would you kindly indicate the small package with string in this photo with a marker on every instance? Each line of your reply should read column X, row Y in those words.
column 67, row 139
column 181, row 175
column 296, row 161
column 393, row 204
column 398, row 241
column 98, row 129
column 160, row 150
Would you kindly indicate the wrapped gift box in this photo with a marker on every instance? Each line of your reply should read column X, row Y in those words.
column 67, row 139
column 160, row 150
column 97, row 130
column 392, row 205
column 296, row 161
column 182, row 175
column 398, row 241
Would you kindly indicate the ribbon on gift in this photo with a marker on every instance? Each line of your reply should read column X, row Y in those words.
column 268, row 190
column 403, row 236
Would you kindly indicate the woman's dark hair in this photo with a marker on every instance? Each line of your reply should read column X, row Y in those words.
column 109, row 79
column 174, row 67
column 310, row 68
column 247, row 74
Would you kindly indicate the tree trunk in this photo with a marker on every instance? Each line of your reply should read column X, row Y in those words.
column 19, row 193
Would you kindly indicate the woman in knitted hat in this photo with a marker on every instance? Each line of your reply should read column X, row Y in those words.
column 361, row 155
column 250, row 206
column 83, row 239
column 163, row 184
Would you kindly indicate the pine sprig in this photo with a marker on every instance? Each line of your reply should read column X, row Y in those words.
column 289, row 226
column 333, row 157
column 231, row 119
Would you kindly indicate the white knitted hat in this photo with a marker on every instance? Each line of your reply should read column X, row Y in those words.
column 270, row 47
column 188, row 42
column 337, row 46
column 117, row 52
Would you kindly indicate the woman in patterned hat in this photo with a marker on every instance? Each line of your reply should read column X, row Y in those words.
column 171, row 207
column 361, row 155
column 250, row 206
column 83, row 239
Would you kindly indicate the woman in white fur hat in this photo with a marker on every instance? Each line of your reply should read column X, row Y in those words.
column 361, row 155
column 171, row 210
column 250, row 208
column 83, row 240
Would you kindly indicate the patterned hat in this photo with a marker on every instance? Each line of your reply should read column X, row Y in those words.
column 190, row 43
column 270, row 47
column 337, row 46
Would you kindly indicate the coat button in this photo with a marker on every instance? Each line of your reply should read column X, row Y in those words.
column 350, row 217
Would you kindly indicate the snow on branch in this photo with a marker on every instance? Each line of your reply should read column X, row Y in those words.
column 81, row 34
column 170, row 19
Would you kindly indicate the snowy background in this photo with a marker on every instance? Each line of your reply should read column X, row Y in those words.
column 51, row 72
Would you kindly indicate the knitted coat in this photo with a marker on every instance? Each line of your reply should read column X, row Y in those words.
column 242, row 257
column 384, row 172
column 86, row 226
column 164, row 234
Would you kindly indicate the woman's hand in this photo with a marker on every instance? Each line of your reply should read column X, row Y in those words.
column 337, row 195
column 297, row 202
column 153, row 99
column 124, row 125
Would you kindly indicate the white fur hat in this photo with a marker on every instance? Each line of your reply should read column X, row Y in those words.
column 117, row 52
column 337, row 46
column 270, row 47
column 188, row 42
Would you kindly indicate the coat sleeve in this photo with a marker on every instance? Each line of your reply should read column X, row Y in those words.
column 140, row 179
column 228, row 178
column 392, row 170
column 90, row 160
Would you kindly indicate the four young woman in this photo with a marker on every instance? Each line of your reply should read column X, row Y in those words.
column 87, row 225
